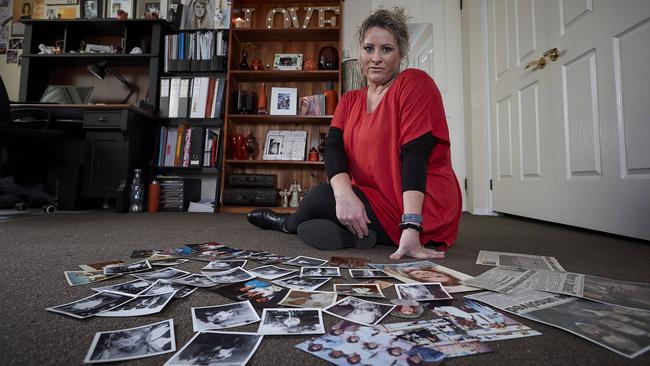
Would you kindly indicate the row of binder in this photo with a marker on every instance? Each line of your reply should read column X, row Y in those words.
column 199, row 97
column 185, row 146
column 195, row 51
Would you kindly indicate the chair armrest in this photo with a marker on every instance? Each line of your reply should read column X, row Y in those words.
column 30, row 118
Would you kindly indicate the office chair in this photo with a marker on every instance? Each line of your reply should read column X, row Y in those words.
column 25, row 140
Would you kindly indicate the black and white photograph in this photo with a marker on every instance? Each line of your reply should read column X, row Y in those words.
column 217, row 349
column 291, row 322
column 302, row 261
column 198, row 14
column 422, row 291
column 141, row 305
column 223, row 316
column 358, row 289
column 359, row 311
column 302, row 283
column 92, row 305
column 229, row 276
column 129, row 344
column 225, row 265
column 309, row 299
column 76, row 278
column 15, row 43
column 367, row 273
column 134, row 287
column 320, row 272
column 197, row 280
column 127, row 267
column 168, row 262
column 261, row 294
column 91, row 9
column 162, row 274
column 164, row 286
column 12, row 56
column 271, row 272
column 284, row 101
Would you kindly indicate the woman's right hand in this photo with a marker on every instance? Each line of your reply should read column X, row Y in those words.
column 351, row 212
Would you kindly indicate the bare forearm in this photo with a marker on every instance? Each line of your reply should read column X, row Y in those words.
column 413, row 202
column 341, row 185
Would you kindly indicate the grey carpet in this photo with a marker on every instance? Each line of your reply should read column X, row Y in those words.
column 36, row 251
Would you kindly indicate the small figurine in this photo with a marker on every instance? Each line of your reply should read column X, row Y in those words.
column 295, row 190
column 285, row 201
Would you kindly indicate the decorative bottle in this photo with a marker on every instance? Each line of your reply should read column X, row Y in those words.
column 262, row 107
column 153, row 198
column 331, row 99
column 137, row 192
column 243, row 65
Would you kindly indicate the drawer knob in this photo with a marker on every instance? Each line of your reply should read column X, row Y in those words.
column 103, row 119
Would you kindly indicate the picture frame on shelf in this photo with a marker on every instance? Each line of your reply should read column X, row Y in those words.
column 112, row 6
column 287, row 61
column 62, row 11
column 146, row 8
column 61, row 2
column 285, row 145
column 92, row 9
column 284, row 101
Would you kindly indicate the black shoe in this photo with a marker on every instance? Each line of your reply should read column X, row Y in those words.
column 267, row 219
column 327, row 235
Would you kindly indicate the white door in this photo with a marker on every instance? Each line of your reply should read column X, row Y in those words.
column 570, row 143
column 434, row 29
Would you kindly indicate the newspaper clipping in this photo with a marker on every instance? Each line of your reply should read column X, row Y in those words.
column 622, row 330
column 529, row 261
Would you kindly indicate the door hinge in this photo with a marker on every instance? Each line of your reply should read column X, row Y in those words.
column 490, row 184
column 465, row 184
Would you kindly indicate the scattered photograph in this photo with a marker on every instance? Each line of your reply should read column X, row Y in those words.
column 223, row 316
column 127, row 267
column 347, row 344
column 427, row 272
column 309, row 299
column 320, row 272
column 261, row 294
column 162, row 274
column 167, row 262
column 271, row 272
column 407, row 309
column 129, row 344
column 481, row 321
column 229, row 276
column 92, row 305
column 422, row 291
column 134, row 287
column 99, row 266
column 145, row 253
column 367, row 273
column 224, row 265
column 436, row 333
column 358, row 289
column 291, row 322
column 360, row 311
column 382, row 284
column 302, row 283
column 165, row 286
column 302, row 261
column 197, row 280
column 217, row 349
column 76, row 278
column 349, row 262
column 141, row 305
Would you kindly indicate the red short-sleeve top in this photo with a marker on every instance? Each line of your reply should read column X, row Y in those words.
column 411, row 107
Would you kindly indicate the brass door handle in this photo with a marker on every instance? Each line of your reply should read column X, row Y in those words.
column 552, row 54
column 536, row 64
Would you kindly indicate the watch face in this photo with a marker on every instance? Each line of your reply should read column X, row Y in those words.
column 412, row 218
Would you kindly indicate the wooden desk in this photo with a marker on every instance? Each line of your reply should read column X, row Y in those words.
column 117, row 139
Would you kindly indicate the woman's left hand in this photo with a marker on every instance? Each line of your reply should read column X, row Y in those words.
column 409, row 246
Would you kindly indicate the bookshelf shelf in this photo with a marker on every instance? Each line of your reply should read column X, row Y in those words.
column 262, row 44
column 188, row 170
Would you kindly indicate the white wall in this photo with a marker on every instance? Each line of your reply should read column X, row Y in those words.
column 10, row 74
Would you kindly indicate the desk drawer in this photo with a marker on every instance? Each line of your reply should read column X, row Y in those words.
column 103, row 119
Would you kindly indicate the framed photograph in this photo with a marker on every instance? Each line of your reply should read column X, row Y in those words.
column 284, row 101
column 61, row 2
column 61, row 11
column 285, row 145
column 92, row 9
column 15, row 43
column 198, row 14
column 147, row 9
column 287, row 61
column 112, row 6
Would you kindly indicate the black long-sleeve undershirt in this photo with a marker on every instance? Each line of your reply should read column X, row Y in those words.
column 414, row 155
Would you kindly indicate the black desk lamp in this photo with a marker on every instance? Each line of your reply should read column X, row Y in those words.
column 99, row 70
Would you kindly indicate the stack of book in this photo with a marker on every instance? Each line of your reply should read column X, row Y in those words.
column 202, row 206
column 199, row 97
column 185, row 146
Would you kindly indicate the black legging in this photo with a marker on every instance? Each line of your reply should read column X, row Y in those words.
column 319, row 203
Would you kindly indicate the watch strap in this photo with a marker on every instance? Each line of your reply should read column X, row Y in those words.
column 409, row 225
